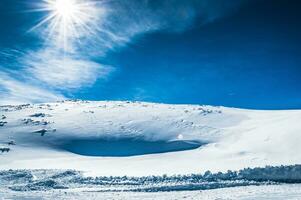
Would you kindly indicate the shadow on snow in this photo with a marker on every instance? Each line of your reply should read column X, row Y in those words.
column 126, row 147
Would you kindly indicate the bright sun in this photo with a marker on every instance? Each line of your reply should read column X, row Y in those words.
column 65, row 8
column 68, row 20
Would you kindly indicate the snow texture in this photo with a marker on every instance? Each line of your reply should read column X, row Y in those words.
column 43, row 180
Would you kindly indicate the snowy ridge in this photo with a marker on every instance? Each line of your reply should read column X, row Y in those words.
column 36, row 180
column 126, row 138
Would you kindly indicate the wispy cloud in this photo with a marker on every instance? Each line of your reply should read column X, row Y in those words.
column 124, row 20
column 13, row 91
column 112, row 25
column 63, row 72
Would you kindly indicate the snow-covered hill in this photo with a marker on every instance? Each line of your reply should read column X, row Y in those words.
column 137, row 138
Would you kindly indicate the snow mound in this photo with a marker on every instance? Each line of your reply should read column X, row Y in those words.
column 126, row 138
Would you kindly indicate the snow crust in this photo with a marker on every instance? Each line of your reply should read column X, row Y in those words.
column 270, row 182
column 43, row 180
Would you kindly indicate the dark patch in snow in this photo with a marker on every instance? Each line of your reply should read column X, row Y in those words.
column 2, row 123
column 206, row 111
column 40, row 115
column 34, row 122
column 39, row 186
column 68, row 173
column 4, row 149
column 9, row 108
column 42, row 132
column 90, row 111
column 12, row 177
column 11, row 142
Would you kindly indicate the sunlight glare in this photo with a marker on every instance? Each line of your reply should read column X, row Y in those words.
column 69, row 20
column 65, row 8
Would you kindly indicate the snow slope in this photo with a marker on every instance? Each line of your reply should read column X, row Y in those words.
column 137, row 138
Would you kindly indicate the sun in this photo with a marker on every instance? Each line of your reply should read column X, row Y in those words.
column 65, row 8
column 68, row 20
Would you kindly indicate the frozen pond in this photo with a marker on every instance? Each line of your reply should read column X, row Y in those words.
column 126, row 147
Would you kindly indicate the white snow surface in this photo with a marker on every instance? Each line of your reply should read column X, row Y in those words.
column 139, row 139
column 263, row 192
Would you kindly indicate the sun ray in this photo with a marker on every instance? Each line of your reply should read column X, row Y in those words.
column 67, row 21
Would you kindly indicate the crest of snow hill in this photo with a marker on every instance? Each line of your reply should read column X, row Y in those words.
column 196, row 138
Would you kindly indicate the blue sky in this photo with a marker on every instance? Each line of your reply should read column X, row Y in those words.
column 240, row 53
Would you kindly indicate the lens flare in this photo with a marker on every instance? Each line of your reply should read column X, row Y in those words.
column 67, row 21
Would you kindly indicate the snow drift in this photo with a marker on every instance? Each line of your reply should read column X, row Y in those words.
column 41, row 180
column 126, row 138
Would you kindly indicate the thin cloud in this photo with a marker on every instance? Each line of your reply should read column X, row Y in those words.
column 13, row 91
column 64, row 72
column 123, row 21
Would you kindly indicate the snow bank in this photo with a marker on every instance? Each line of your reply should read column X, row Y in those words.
column 37, row 180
